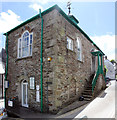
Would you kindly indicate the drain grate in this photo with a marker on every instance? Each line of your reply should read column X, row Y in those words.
column 103, row 95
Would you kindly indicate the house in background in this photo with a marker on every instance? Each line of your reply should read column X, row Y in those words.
column 2, row 75
column 110, row 73
column 51, row 61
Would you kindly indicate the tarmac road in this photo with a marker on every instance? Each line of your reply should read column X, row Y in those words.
column 103, row 106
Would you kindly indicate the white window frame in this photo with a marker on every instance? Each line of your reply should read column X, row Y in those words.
column 79, row 49
column 29, row 45
column 69, row 43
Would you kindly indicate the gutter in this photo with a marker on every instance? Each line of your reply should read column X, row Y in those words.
column 41, row 60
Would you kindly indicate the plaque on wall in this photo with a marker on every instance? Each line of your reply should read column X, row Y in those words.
column 32, row 83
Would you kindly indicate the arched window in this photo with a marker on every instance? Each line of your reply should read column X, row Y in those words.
column 25, row 45
column 79, row 50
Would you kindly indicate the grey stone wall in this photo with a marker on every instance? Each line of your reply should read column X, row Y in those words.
column 68, row 75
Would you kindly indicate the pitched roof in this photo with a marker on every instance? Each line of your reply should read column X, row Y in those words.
column 63, row 14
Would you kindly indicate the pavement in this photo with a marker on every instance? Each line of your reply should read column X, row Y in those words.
column 1, row 103
column 103, row 106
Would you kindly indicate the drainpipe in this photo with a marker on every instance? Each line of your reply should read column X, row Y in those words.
column 41, row 60
column 6, row 70
column 98, row 60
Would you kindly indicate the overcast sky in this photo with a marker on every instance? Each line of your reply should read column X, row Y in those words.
column 97, row 19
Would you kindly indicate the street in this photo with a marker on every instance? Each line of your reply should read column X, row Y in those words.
column 101, row 107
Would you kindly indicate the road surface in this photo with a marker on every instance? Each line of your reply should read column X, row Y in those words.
column 101, row 107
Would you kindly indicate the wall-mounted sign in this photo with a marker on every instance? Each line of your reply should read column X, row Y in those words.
column 37, row 93
column 10, row 103
column 6, row 84
column 32, row 83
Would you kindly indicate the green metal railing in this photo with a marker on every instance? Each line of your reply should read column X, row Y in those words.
column 95, row 78
column 99, row 69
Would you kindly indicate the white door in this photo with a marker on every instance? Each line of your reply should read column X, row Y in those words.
column 25, row 94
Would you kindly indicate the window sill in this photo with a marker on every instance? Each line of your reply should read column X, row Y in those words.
column 70, row 50
column 24, row 58
column 80, row 61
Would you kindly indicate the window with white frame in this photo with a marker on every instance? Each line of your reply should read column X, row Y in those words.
column 25, row 45
column 79, row 49
column 69, row 43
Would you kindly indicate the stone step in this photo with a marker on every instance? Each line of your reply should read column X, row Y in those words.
column 87, row 96
column 87, row 99
column 88, row 90
column 89, row 87
column 87, row 93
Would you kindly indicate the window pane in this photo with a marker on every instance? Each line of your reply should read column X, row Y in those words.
column 30, row 49
column 30, row 39
column 67, row 44
column 26, row 51
column 79, row 49
column 23, row 54
column 27, row 40
column 70, row 44
column 19, row 52
column 20, row 43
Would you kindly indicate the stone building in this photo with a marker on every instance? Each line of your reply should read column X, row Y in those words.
column 50, row 62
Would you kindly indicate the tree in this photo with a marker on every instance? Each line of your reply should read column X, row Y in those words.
column 113, row 61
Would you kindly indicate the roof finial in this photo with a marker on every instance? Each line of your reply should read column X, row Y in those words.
column 69, row 7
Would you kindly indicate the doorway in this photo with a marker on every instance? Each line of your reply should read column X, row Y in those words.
column 25, row 93
column 93, row 66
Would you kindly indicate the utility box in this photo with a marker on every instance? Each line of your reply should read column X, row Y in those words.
column 6, row 84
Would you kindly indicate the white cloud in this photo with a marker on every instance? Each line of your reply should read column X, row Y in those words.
column 106, row 43
column 8, row 20
column 36, row 7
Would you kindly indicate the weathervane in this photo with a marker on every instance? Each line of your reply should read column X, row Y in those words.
column 69, row 7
